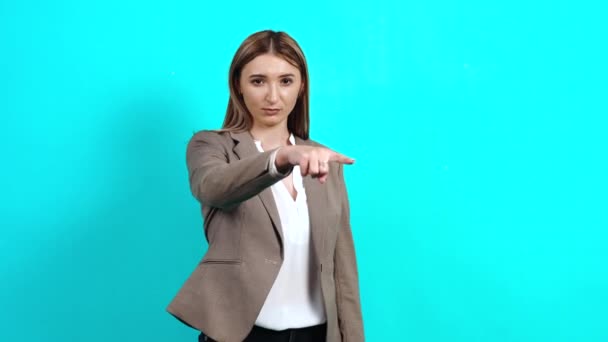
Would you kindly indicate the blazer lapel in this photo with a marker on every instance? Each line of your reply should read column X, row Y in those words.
column 316, row 195
column 316, row 198
column 246, row 147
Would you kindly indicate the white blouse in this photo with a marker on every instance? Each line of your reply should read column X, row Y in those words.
column 295, row 299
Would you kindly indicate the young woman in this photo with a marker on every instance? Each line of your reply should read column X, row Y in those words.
column 281, row 262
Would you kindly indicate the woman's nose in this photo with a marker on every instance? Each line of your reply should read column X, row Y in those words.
column 272, row 94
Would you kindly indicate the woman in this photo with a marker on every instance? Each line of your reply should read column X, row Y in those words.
column 281, row 264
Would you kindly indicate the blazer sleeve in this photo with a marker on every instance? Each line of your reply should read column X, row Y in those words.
column 350, row 318
column 218, row 183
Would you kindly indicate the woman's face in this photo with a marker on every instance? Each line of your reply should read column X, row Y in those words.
column 270, row 87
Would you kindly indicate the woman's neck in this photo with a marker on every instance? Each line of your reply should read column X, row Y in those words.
column 271, row 138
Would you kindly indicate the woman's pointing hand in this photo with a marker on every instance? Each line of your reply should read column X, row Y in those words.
column 313, row 161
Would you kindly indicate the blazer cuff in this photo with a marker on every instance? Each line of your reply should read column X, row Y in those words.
column 272, row 167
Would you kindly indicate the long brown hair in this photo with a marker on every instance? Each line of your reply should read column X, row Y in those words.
column 280, row 44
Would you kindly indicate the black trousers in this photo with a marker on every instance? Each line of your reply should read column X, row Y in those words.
column 258, row 334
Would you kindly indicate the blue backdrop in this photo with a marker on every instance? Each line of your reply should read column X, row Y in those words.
column 478, row 197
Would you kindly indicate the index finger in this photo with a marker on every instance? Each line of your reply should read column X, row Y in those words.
column 340, row 158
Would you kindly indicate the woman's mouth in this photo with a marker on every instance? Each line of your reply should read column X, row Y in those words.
column 270, row 110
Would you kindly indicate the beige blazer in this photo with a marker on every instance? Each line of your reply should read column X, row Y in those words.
column 225, row 293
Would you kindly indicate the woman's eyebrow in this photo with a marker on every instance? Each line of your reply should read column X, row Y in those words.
column 264, row 76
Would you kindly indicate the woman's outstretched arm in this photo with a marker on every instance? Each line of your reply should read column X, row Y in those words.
column 217, row 183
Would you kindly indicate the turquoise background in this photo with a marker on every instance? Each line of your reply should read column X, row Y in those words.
column 479, row 195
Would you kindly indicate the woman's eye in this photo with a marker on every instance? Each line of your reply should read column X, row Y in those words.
column 287, row 81
column 256, row 82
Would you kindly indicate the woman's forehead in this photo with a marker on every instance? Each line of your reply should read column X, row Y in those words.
column 270, row 65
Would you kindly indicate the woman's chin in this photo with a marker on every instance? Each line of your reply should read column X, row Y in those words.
column 272, row 120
